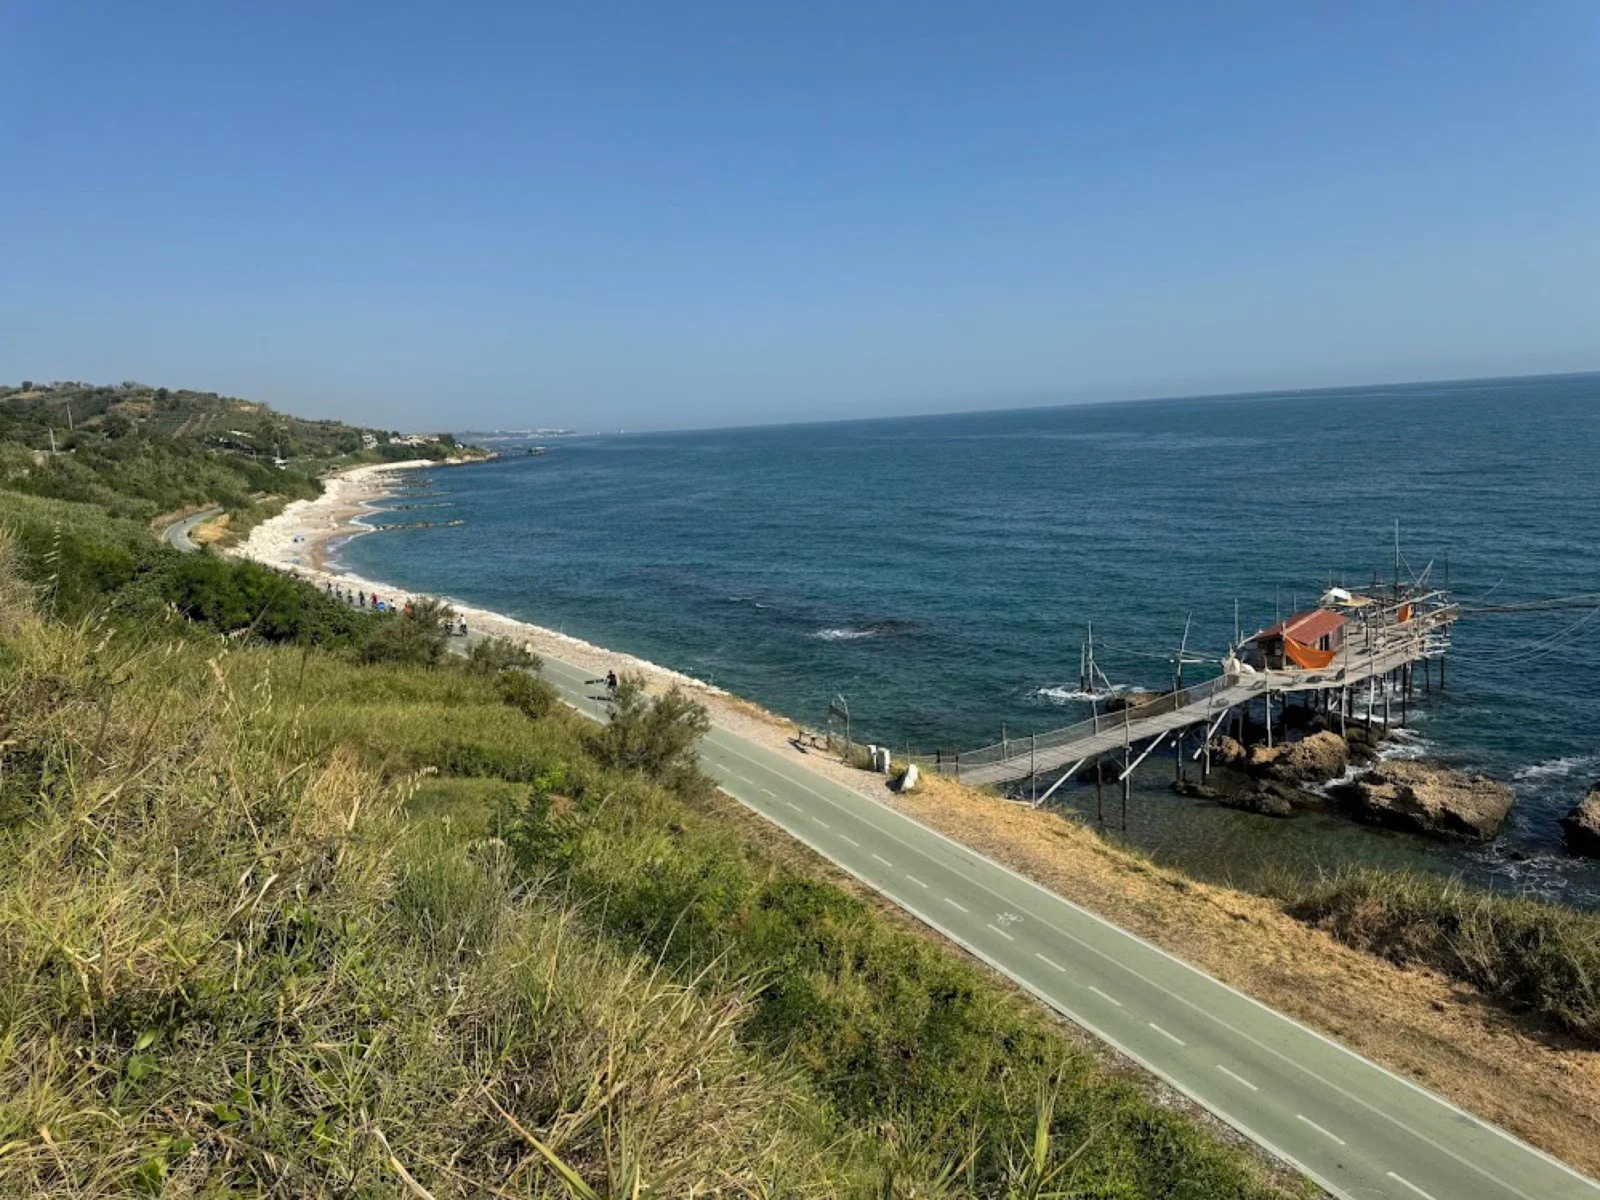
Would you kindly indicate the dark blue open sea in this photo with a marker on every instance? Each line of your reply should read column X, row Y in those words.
column 940, row 573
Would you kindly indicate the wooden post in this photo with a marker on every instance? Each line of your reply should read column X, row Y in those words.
column 1205, row 766
column 1099, row 796
column 1441, row 672
column 1033, row 766
column 1127, row 773
column 1177, row 757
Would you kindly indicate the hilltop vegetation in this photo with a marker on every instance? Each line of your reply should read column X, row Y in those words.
column 139, row 451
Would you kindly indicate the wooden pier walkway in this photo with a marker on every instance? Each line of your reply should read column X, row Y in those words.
column 1384, row 649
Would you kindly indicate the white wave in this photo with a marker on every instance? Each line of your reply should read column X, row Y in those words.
column 1557, row 768
column 1064, row 695
column 843, row 634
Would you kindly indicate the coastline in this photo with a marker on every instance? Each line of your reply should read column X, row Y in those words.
column 1434, row 1030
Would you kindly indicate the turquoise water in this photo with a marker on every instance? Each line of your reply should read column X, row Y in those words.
column 940, row 573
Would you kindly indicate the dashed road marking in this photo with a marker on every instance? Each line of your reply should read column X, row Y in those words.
column 1237, row 1078
column 792, row 805
column 1172, row 1036
column 916, row 881
column 1000, row 931
column 883, row 860
column 821, row 822
column 1104, row 996
column 1049, row 962
column 843, row 837
column 1331, row 1137
column 1409, row 1184
column 955, row 904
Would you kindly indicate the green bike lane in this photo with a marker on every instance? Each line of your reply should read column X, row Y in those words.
column 1354, row 1127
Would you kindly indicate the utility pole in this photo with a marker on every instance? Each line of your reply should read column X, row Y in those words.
column 1397, row 558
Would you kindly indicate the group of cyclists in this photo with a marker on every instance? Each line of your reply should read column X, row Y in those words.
column 358, row 598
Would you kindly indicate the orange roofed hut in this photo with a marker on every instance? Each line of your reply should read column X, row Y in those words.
column 1306, row 640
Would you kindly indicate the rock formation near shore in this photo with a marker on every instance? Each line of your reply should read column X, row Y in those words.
column 1313, row 759
column 1582, row 825
column 1429, row 798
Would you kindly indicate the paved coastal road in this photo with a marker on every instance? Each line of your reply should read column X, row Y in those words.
column 1358, row 1130
column 177, row 534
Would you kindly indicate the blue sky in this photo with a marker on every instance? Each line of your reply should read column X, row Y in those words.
column 668, row 215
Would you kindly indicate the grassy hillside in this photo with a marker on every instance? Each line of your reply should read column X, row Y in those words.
column 291, row 903
column 274, row 920
column 139, row 451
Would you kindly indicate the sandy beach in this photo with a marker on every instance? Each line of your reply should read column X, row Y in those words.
column 298, row 540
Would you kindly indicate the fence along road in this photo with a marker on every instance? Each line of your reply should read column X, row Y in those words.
column 1357, row 1129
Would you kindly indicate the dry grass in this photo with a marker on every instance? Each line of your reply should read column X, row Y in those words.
column 228, row 964
column 1444, row 1034
column 211, row 532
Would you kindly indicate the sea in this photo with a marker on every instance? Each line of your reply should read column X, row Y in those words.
column 938, row 576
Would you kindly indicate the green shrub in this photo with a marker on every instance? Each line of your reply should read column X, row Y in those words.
column 659, row 736
column 416, row 637
column 491, row 655
column 528, row 694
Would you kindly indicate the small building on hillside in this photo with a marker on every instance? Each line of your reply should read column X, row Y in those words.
column 1307, row 639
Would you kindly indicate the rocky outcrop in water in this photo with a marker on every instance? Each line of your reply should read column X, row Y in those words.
column 1428, row 798
column 1582, row 825
column 1315, row 758
column 1269, row 800
column 1226, row 750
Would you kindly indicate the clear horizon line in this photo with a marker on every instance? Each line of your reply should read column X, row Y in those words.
column 1254, row 394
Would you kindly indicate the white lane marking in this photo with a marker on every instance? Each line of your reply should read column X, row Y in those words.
column 1409, row 1184
column 1174, row 1037
column 1001, row 932
column 1331, row 1137
column 1049, row 962
column 1103, row 996
column 844, row 837
column 969, row 856
column 744, row 779
column 766, row 792
column 954, row 904
column 883, row 860
column 1237, row 1078
column 793, row 805
column 916, row 881
column 821, row 822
